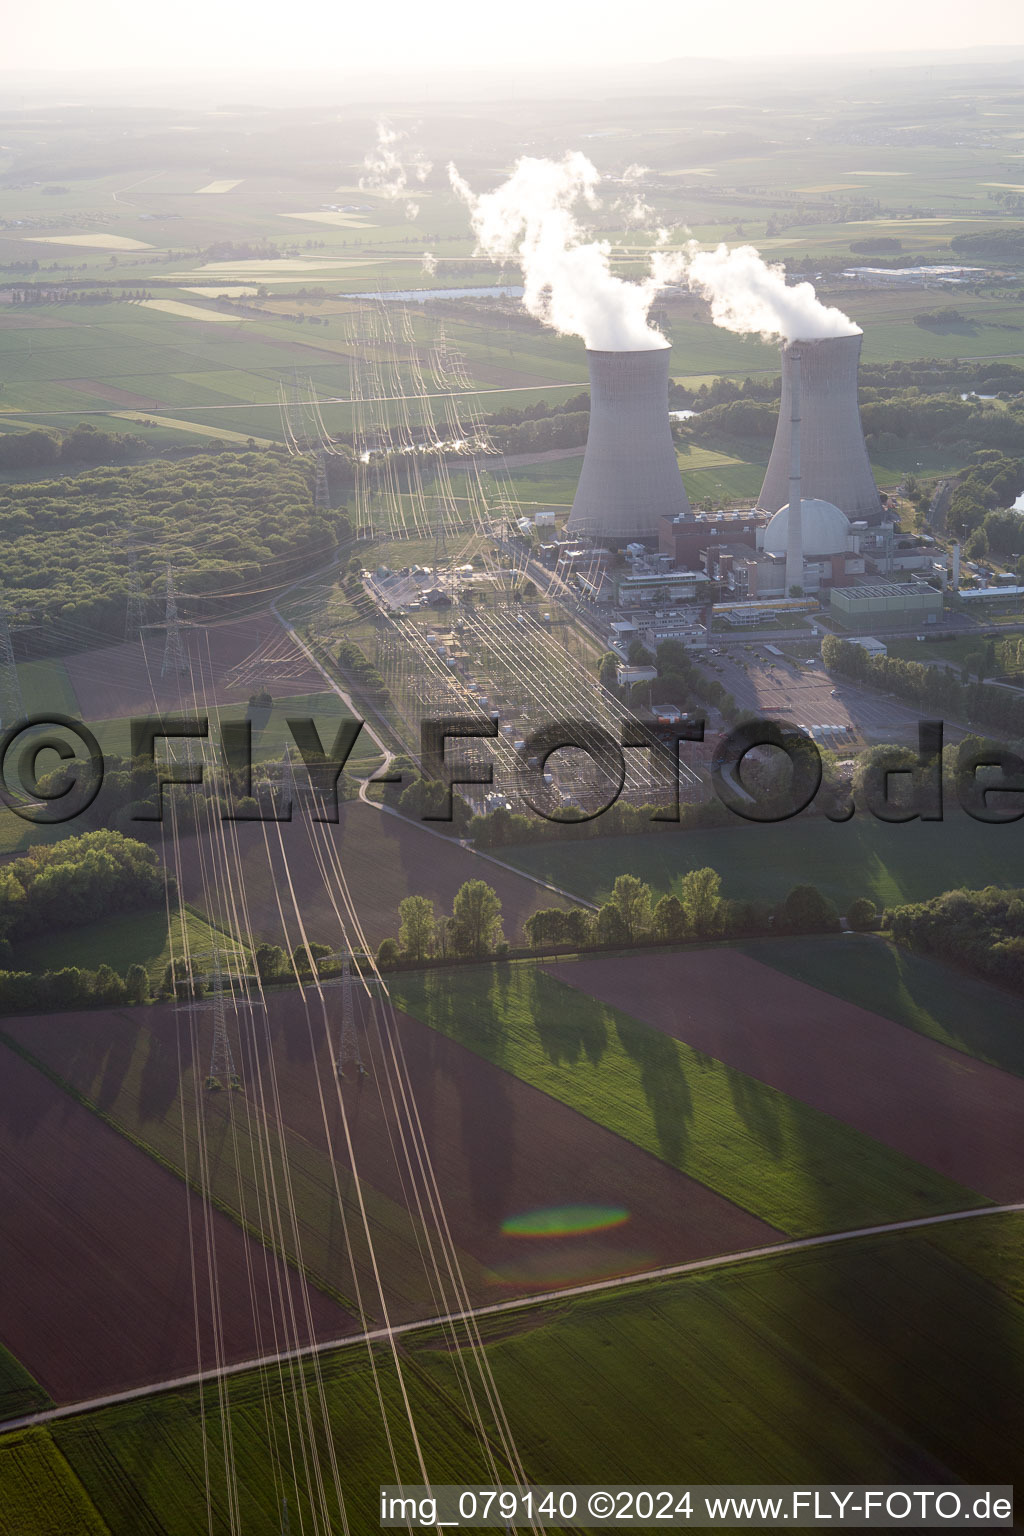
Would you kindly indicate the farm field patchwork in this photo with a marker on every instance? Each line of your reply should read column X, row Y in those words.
column 917, row 991
column 794, row 1369
column 792, row 1165
column 961, row 1118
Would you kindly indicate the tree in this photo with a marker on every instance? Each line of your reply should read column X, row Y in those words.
column 862, row 914
column 701, row 900
column 270, row 961
column 607, row 669
column 306, row 955
column 806, row 910
column 137, row 984
column 670, row 919
column 631, row 899
column 388, row 953
column 476, row 919
column 555, row 925
column 108, row 986
column 417, row 927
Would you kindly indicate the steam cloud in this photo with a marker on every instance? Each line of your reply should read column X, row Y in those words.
column 749, row 295
column 567, row 278
column 385, row 171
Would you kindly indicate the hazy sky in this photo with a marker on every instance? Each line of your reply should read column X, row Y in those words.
column 415, row 35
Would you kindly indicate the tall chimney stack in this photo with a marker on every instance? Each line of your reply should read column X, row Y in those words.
column 630, row 477
column 794, row 520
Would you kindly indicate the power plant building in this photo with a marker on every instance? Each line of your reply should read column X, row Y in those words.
column 686, row 537
column 630, row 478
column 893, row 605
column 834, row 465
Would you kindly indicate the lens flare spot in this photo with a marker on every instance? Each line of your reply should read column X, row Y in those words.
column 565, row 1221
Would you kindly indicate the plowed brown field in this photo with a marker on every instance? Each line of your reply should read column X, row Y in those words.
column 113, row 1272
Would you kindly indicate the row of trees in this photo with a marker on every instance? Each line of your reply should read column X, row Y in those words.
column 931, row 689
column 631, row 915
column 84, row 444
column 72, row 987
column 473, row 928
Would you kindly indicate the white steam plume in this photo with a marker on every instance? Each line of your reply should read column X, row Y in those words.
column 749, row 295
column 567, row 279
column 429, row 263
column 387, row 172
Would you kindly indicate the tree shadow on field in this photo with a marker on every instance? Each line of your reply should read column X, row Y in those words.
column 121, row 1051
column 569, row 1026
column 758, row 1109
column 488, row 1141
column 158, row 1083
column 664, row 1084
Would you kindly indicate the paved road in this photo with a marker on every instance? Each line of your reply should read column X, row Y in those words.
column 520, row 1304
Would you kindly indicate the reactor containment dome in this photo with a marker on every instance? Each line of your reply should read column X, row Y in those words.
column 826, row 530
column 630, row 478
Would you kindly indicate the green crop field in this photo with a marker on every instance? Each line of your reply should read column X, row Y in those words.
column 20, row 1393
column 914, row 990
column 794, row 1167
column 140, row 938
column 797, row 1369
column 863, row 857
column 41, row 1494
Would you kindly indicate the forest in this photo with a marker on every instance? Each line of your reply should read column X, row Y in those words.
column 228, row 524
column 980, row 930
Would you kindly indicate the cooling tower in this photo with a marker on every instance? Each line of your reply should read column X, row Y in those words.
column 834, row 461
column 630, row 478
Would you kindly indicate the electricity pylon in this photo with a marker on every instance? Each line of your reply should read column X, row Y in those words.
column 12, row 705
column 321, row 493
column 175, row 659
column 223, row 1071
column 349, row 1053
column 135, row 610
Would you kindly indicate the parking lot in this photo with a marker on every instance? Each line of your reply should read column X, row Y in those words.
column 777, row 687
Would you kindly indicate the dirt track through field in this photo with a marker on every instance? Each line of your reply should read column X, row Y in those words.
column 98, row 1260
column 961, row 1117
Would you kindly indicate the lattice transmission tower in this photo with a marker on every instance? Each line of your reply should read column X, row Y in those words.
column 175, row 660
column 12, row 706
column 223, row 1070
column 135, row 609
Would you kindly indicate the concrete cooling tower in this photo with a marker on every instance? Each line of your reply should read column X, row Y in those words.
column 630, row 478
column 834, row 460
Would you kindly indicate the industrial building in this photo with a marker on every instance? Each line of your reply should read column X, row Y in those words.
column 685, row 537
column 630, row 478
column 894, row 605
column 834, row 463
